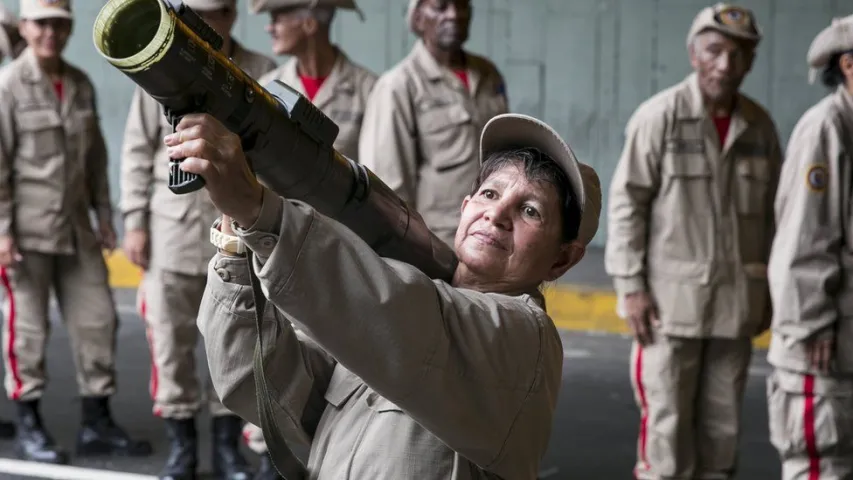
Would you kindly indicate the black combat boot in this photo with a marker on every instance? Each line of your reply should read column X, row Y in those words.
column 267, row 471
column 99, row 434
column 32, row 441
column 7, row 430
column 183, row 450
column 228, row 462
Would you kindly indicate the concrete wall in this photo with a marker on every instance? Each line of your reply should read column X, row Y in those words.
column 581, row 65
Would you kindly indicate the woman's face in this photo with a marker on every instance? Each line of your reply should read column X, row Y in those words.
column 46, row 37
column 511, row 232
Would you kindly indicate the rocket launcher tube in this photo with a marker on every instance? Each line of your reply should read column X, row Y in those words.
column 287, row 140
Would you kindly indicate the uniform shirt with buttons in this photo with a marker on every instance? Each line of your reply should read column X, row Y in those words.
column 54, row 154
column 422, row 129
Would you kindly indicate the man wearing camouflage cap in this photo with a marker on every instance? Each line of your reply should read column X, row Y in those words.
column 425, row 115
column 167, row 236
column 11, row 42
column 319, row 69
column 53, row 176
column 810, row 392
column 690, row 228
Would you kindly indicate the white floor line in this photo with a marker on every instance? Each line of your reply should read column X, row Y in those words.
column 65, row 472
column 576, row 353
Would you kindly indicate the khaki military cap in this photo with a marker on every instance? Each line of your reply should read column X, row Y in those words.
column 259, row 6
column 728, row 19
column 512, row 130
column 39, row 9
column 836, row 38
column 209, row 5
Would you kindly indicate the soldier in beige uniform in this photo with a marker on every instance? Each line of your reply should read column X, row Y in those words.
column 469, row 369
column 810, row 392
column 323, row 73
column 425, row 115
column 319, row 69
column 167, row 235
column 53, row 174
column 690, row 228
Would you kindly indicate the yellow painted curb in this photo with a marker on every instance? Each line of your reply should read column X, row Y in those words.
column 572, row 307
column 123, row 274
column 581, row 309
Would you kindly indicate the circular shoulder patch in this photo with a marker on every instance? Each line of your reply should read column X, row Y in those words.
column 817, row 178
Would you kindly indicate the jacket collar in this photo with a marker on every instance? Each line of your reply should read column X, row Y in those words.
column 340, row 79
column 33, row 74
column 742, row 115
column 434, row 72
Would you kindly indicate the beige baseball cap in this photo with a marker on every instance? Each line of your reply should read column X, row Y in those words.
column 728, row 19
column 210, row 5
column 39, row 9
column 260, row 6
column 514, row 130
column 836, row 38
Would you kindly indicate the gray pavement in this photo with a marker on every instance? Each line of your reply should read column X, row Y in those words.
column 594, row 435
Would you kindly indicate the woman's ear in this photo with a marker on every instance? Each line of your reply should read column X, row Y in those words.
column 568, row 255
column 465, row 202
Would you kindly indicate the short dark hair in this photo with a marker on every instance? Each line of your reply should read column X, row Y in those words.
column 538, row 167
column 832, row 76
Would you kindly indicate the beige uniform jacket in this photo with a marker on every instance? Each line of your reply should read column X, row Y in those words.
column 403, row 378
column 690, row 222
column 811, row 265
column 53, row 159
column 422, row 129
column 178, row 225
column 342, row 97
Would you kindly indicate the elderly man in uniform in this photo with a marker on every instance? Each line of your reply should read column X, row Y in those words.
column 53, row 174
column 690, row 228
column 810, row 392
column 323, row 73
column 425, row 115
column 167, row 236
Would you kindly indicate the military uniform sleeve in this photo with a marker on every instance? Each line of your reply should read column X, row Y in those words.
column 140, row 145
column 387, row 142
column 7, row 154
column 479, row 371
column 805, row 264
column 298, row 371
column 632, row 190
column 99, row 180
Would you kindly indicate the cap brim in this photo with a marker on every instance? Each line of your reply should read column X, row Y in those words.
column 48, row 13
column 513, row 130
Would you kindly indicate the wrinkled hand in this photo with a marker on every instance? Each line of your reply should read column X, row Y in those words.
column 215, row 153
column 820, row 350
column 107, row 234
column 136, row 247
column 9, row 254
column 641, row 315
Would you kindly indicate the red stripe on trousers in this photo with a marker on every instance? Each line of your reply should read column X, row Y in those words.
column 10, row 345
column 644, row 414
column 143, row 309
column 808, row 424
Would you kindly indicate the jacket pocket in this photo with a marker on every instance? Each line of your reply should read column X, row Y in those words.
column 752, row 179
column 447, row 135
column 41, row 133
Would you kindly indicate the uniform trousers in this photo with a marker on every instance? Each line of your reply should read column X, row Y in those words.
column 80, row 284
column 811, row 424
column 689, row 392
column 168, row 303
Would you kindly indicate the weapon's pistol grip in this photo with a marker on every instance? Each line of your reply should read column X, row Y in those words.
column 181, row 182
